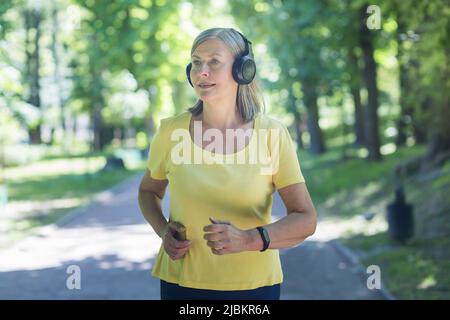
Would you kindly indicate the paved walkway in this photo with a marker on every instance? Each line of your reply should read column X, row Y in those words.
column 115, row 248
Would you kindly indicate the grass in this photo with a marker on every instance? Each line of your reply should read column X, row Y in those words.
column 42, row 192
column 364, row 244
column 61, row 186
column 410, row 271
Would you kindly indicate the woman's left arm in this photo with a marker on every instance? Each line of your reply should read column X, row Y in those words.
column 299, row 223
column 294, row 228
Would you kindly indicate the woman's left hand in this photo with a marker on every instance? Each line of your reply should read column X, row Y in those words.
column 223, row 237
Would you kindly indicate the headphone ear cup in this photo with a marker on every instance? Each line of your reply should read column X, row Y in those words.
column 244, row 70
column 188, row 73
column 248, row 69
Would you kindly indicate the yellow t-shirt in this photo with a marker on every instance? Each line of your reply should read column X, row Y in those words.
column 204, row 184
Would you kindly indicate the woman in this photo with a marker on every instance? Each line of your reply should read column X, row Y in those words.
column 219, row 242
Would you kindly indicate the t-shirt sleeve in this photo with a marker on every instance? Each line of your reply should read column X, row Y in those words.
column 157, row 158
column 288, row 171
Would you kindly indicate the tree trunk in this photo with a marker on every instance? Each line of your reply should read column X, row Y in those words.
column 57, row 70
column 359, row 116
column 438, row 152
column 96, row 95
column 317, row 145
column 409, row 114
column 408, row 72
column 292, row 107
column 298, row 129
column 33, row 21
column 355, row 91
column 150, row 124
column 372, row 138
column 179, row 96
column 106, row 135
column 96, row 118
column 405, row 109
column 439, row 132
column 149, row 121
column 419, row 130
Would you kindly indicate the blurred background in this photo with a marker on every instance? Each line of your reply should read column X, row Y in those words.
column 363, row 87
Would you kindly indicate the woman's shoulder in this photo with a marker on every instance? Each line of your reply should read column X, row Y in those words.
column 271, row 122
column 174, row 122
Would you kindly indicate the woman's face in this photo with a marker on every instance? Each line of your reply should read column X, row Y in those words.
column 211, row 75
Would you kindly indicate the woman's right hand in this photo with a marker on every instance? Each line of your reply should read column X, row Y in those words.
column 174, row 248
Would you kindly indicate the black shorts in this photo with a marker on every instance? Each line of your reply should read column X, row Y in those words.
column 172, row 291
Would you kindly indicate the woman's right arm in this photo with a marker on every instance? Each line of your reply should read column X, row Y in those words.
column 151, row 192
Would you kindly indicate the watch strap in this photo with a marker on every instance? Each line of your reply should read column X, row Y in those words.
column 265, row 238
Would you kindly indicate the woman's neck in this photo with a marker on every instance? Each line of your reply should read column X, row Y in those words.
column 222, row 117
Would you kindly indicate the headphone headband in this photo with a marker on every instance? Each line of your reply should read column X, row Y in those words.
column 246, row 42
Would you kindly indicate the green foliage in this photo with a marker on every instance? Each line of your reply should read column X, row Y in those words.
column 423, row 33
column 5, row 24
column 298, row 41
column 307, row 42
column 131, row 37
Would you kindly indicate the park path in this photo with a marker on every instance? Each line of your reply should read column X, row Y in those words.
column 115, row 248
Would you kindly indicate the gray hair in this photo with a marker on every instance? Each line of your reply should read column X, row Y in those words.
column 249, row 97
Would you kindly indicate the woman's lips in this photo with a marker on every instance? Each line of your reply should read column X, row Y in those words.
column 206, row 86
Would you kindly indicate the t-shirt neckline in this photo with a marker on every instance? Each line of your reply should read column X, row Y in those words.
column 252, row 138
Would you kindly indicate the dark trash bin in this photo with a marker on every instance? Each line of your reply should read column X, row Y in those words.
column 400, row 218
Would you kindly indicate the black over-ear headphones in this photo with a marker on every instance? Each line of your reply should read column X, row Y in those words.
column 244, row 68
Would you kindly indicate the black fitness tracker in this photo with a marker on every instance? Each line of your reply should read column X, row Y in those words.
column 265, row 238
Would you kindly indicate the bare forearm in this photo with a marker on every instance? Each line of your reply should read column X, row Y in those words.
column 284, row 233
column 150, row 206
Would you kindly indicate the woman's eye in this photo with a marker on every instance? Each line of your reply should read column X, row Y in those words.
column 196, row 63
column 215, row 61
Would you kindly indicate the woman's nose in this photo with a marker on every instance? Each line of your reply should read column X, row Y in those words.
column 204, row 69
